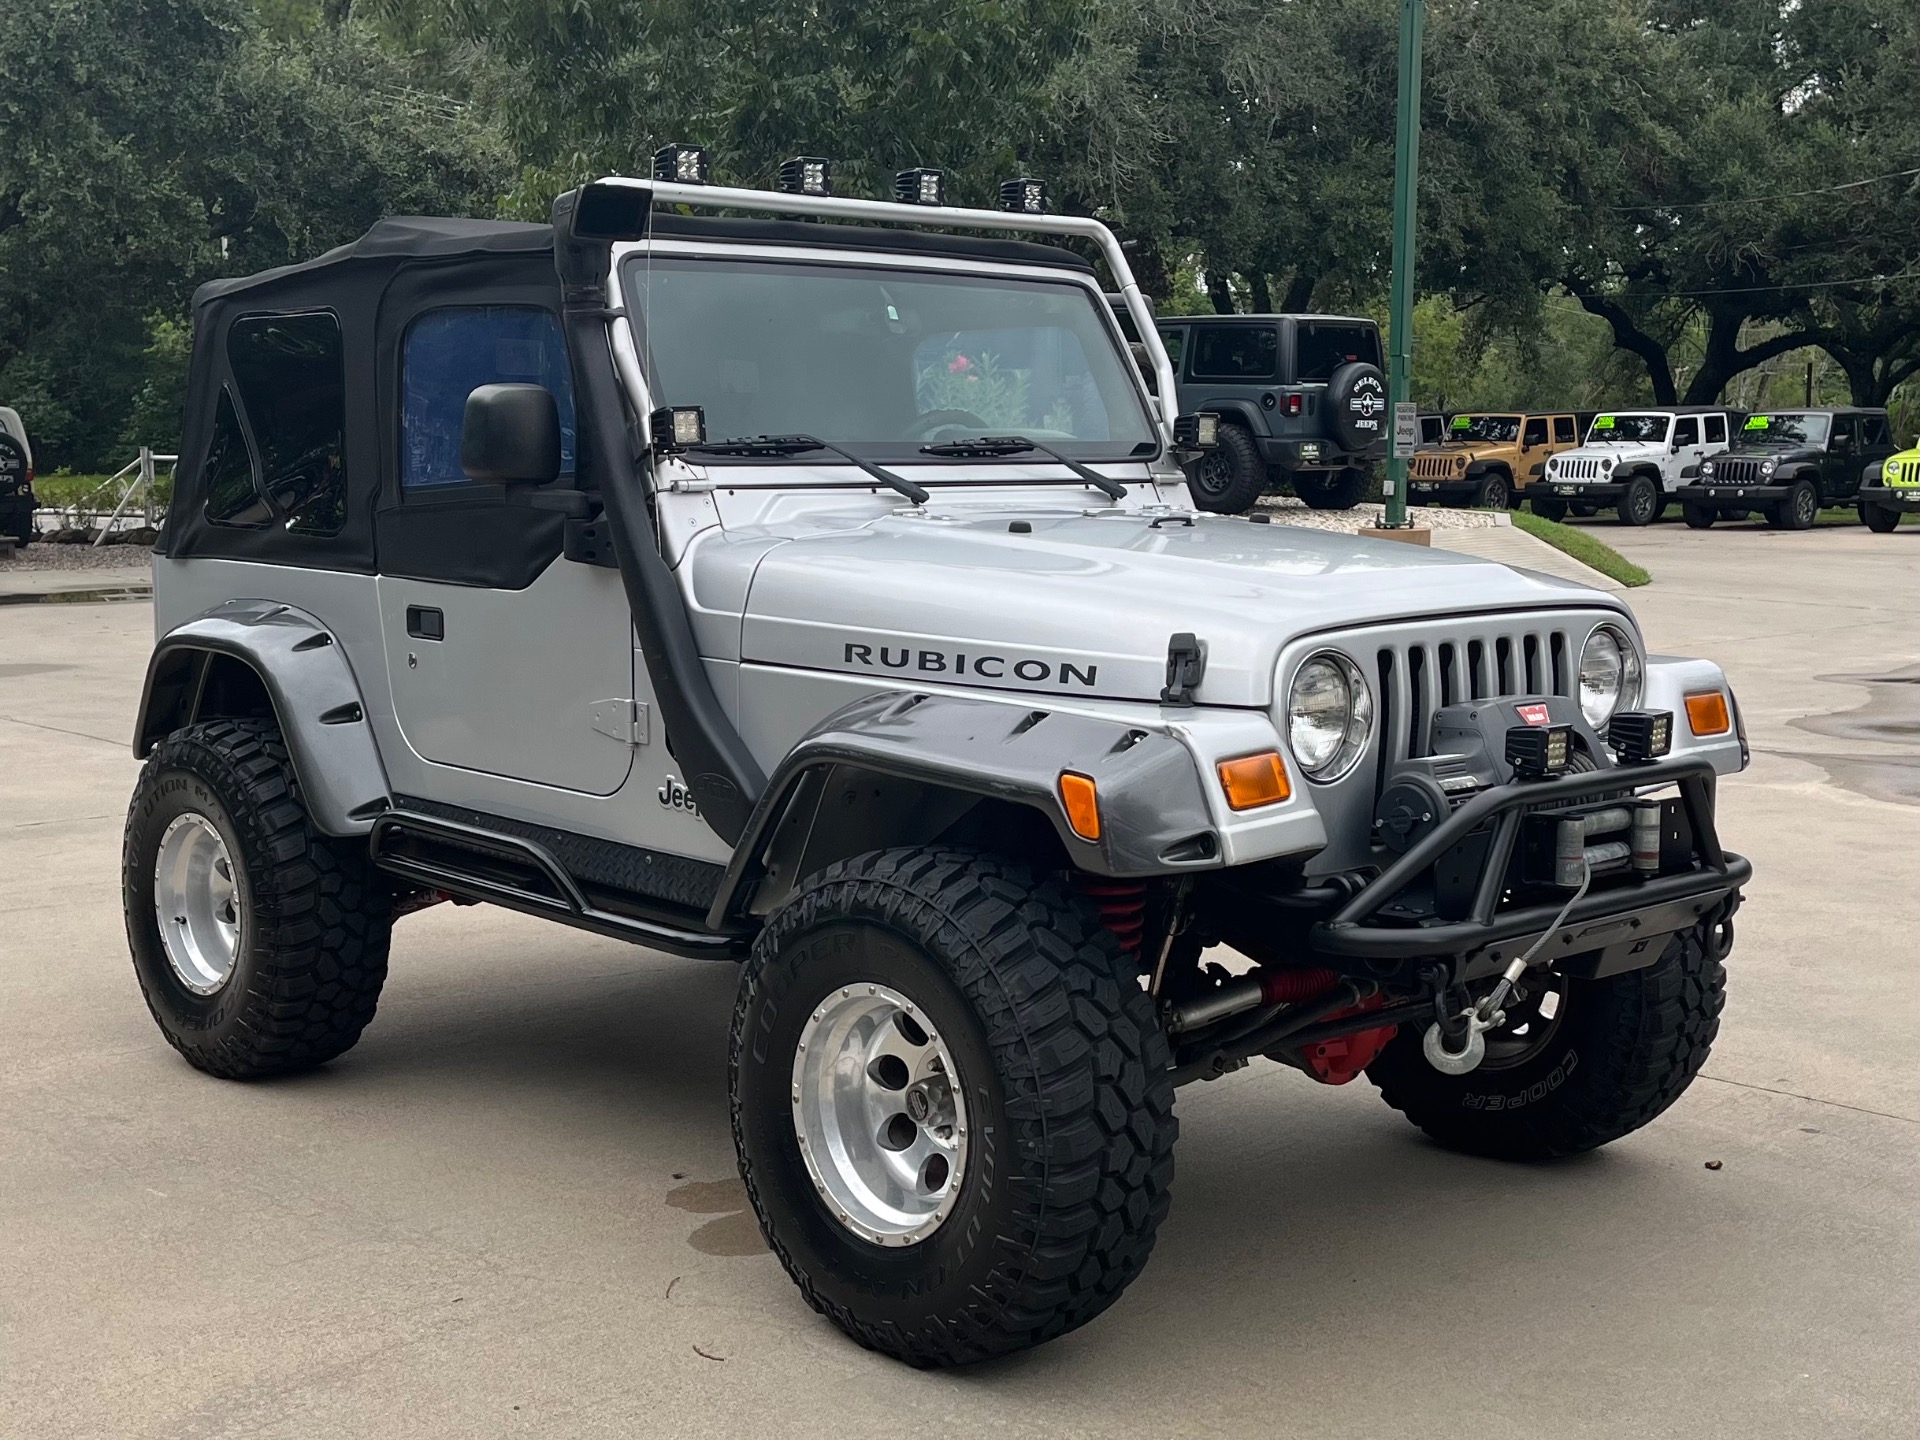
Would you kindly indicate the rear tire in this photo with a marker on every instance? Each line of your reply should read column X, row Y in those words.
column 1699, row 517
column 1878, row 520
column 1624, row 1049
column 1068, row 1103
column 1341, row 490
column 274, row 960
column 1642, row 503
column 1227, row 479
column 1555, row 510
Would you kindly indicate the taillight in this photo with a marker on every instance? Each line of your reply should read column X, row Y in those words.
column 1293, row 404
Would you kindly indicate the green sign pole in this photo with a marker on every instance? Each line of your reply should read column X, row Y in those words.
column 1406, row 171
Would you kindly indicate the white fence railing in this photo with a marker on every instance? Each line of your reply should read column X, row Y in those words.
column 110, row 505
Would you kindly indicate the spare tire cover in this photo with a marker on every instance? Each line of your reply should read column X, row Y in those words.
column 13, row 465
column 1357, row 406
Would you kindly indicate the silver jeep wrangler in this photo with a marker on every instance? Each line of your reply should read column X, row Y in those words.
column 825, row 598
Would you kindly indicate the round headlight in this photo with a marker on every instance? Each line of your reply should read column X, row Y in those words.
column 1606, row 462
column 1459, row 462
column 1706, row 467
column 1553, row 465
column 1329, row 715
column 1609, row 676
column 1767, row 467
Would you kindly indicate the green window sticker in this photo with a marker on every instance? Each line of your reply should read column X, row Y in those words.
column 1462, row 422
column 1756, row 422
column 1605, row 422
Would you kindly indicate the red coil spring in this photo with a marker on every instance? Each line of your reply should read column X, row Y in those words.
column 1289, row 987
column 1123, row 909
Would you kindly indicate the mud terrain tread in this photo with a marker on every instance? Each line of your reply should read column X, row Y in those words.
column 1085, row 1063
column 322, row 916
column 1658, row 1029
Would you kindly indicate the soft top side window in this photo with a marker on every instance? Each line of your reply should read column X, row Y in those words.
column 290, row 374
column 1565, row 432
column 450, row 352
column 1536, row 432
column 1716, row 429
column 1875, row 428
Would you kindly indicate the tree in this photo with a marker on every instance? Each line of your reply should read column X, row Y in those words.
column 149, row 145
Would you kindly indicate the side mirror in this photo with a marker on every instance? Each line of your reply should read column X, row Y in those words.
column 510, row 435
column 1196, row 432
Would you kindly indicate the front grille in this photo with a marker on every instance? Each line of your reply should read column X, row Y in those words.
column 1736, row 472
column 1487, row 659
column 1904, row 472
column 1431, row 467
column 1579, row 470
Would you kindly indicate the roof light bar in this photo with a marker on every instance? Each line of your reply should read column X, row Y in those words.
column 807, row 175
column 1023, row 196
column 684, row 164
column 920, row 187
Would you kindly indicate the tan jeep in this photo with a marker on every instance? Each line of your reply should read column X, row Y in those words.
column 1486, row 459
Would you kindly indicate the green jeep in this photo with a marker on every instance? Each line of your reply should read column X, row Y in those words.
column 1889, row 489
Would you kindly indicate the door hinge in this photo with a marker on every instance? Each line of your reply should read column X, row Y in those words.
column 623, row 720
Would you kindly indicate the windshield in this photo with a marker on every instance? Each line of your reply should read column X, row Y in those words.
column 1495, row 429
column 1785, row 430
column 885, row 361
column 1630, row 429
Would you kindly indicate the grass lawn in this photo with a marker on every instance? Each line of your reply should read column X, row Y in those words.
column 1583, row 546
column 56, row 492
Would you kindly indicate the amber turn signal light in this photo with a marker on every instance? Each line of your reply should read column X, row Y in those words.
column 1707, row 713
column 1082, row 804
column 1254, row 780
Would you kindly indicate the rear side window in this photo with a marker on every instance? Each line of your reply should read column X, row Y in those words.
column 290, row 377
column 1875, row 427
column 1716, row 429
column 1325, row 346
column 1246, row 353
column 450, row 353
column 1564, row 430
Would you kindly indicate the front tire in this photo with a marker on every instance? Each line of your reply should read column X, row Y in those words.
column 1555, row 510
column 1066, row 1104
column 1799, row 510
column 1341, row 490
column 1642, row 503
column 1493, row 492
column 1619, row 1051
column 1699, row 517
column 1227, row 479
column 1878, row 520
column 260, row 945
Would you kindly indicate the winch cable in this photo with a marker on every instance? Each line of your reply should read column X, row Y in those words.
column 1487, row 1015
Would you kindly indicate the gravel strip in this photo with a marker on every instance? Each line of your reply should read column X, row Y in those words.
column 135, row 559
column 1288, row 511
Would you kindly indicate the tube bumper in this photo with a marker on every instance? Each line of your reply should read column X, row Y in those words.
column 1620, row 923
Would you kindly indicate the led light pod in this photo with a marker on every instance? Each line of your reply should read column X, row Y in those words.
column 920, row 187
column 682, row 164
column 806, row 175
column 1023, row 196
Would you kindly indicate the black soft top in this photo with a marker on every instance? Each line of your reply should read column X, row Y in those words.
column 401, row 238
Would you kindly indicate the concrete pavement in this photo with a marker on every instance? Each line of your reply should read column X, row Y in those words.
column 511, row 1210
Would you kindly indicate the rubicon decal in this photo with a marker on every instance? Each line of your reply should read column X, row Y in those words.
column 958, row 663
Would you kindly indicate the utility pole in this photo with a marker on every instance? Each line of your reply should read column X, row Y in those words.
column 1406, row 173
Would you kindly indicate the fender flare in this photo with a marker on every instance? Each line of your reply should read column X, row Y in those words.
column 1154, row 816
column 315, row 698
column 1236, row 411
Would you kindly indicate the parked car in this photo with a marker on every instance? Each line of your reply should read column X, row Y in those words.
column 1889, row 489
column 1301, row 399
column 1487, row 457
column 1789, row 465
column 825, row 599
column 17, row 500
column 1433, row 427
column 1634, row 461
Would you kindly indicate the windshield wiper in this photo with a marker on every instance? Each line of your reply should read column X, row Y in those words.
column 779, row 445
column 986, row 446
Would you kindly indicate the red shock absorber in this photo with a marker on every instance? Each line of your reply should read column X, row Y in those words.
column 1123, row 908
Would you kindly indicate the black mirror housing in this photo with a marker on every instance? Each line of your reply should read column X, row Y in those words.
column 510, row 435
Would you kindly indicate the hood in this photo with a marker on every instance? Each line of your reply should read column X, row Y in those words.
column 1618, row 451
column 1083, row 604
column 1785, row 450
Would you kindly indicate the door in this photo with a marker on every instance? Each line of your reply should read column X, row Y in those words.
column 1533, row 448
column 504, row 658
column 1688, row 450
column 1839, row 468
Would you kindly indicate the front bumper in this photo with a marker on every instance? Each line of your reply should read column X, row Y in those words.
column 1738, row 497
column 1903, row 498
column 1598, row 492
column 1456, row 488
column 1619, row 924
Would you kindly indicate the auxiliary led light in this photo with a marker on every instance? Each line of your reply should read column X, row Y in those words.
column 807, row 175
column 1637, row 735
column 1023, row 196
column 1539, row 752
column 681, row 164
column 676, row 428
column 920, row 187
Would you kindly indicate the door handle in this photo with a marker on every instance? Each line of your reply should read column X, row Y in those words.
column 426, row 622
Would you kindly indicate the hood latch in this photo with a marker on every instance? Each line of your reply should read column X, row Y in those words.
column 1186, row 663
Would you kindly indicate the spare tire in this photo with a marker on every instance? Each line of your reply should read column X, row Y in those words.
column 1357, row 408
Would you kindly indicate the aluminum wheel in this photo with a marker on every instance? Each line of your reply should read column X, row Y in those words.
column 197, row 903
column 879, row 1111
column 1533, row 1012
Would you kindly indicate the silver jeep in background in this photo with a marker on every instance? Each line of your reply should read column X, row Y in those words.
column 825, row 598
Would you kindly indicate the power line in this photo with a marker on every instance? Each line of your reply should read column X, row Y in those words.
column 1764, row 199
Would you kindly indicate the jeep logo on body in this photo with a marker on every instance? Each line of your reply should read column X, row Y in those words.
column 676, row 796
column 987, row 667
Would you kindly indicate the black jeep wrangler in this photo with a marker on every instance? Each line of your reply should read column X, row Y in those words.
column 17, row 502
column 1788, row 465
column 1301, row 400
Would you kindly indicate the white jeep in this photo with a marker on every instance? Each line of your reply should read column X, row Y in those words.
column 824, row 599
column 1632, row 461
